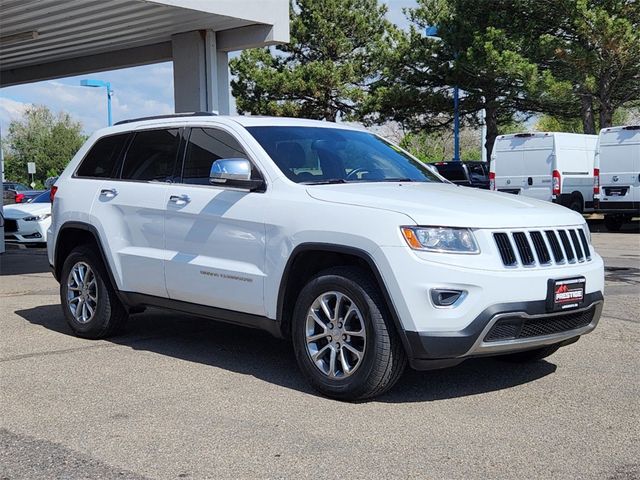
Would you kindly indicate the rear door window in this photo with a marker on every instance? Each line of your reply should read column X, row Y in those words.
column 102, row 160
column 152, row 155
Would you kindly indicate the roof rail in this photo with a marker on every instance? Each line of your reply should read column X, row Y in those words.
column 171, row 115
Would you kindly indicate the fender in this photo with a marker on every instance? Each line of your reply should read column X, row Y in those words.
column 356, row 252
column 94, row 232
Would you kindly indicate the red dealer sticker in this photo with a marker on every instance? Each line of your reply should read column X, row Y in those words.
column 565, row 294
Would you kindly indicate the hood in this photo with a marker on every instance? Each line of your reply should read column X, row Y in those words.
column 449, row 205
column 21, row 210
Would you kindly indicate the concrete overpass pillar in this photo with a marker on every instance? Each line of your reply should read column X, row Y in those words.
column 200, row 73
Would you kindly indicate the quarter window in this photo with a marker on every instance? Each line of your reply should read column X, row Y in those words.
column 152, row 155
column 205, row 146
column 102, row 159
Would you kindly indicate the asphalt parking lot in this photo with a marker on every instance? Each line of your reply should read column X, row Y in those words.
column 181, row 397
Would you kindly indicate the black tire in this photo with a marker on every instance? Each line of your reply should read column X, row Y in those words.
column 384, row 358
column 110, row 315
column 613, row 223
column 576, row 204
column 529, row 356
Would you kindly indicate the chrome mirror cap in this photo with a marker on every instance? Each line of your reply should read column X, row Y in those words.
column 225, row 169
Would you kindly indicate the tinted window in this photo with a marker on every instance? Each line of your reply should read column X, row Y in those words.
column 478, row 171
column 18, row 187
column 452, row 171
column 319, row 155
column 152, row 155
column 205, row 146
column 102, row 159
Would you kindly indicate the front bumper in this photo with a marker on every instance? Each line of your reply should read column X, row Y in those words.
column 26, row 232
column 504, row 328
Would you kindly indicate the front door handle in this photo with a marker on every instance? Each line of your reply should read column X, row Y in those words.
column 530, row 181
column 108, row 192
column 179, row 199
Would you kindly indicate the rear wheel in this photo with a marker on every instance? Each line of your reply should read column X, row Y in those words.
column 613, row 223
column 576, row 204
column 344, row 339
column 89, row 302
column 531, row 355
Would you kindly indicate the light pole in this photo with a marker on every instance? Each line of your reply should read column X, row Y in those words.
column 432, row 32
column 99, row 84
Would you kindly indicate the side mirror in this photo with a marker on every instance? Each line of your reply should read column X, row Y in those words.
column 233, row 172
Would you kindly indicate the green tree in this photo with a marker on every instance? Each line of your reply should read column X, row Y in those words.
column 481, row 49
column 438, row 146
column 550, row 123
column 592, row 50
column 44, row 138
column 324, row 71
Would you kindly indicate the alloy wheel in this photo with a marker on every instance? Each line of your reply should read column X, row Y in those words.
column 82, row 292
column 335, row 335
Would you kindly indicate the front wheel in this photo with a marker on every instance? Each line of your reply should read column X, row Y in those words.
column 343, row 337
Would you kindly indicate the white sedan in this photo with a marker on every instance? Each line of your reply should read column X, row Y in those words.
column 28, row 222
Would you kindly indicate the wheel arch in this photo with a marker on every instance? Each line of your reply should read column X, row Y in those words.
column 72, row 234
column 308, row 259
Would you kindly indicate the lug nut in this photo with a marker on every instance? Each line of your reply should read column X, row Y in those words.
column 330, row 326
column 344, row 337
column 339, row 325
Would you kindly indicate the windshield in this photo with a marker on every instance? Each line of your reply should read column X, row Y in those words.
column 317, row 155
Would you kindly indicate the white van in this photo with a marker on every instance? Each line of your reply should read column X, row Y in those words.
column 549, row 166
column 617, row 174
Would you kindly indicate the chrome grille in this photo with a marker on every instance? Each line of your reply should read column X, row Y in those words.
column 542, row 247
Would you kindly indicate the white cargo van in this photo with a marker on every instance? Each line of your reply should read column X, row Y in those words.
column 549, row 166
column 617, row 175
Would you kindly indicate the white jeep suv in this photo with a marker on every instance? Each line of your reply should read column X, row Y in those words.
column 325, row 234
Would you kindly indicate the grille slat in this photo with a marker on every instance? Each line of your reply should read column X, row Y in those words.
column 524, row 249
column 505, row 249
column 568, row 251
column 550, row 247
column 585, row 244
column 541, row 248
column 555, row 246
column 512, row 328
column 576, row 245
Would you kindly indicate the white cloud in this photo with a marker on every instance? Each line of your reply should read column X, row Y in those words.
column 138, row 92
column 10, row 110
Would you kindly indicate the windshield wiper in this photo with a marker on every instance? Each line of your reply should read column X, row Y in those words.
column 399, row 179
column 328, row 181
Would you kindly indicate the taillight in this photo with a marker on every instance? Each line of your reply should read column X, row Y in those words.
column 52, row 193
column 19, row 197
column 492, row 180
column 556, row 182
column 596, row 182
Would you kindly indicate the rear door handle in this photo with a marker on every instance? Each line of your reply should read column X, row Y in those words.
column 530, row 181
column 108, row 192
column 179, row 199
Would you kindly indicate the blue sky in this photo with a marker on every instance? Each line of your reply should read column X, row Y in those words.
column 139, row 91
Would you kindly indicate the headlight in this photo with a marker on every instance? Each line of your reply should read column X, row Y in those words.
column 37, row 218
column 441, row 239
